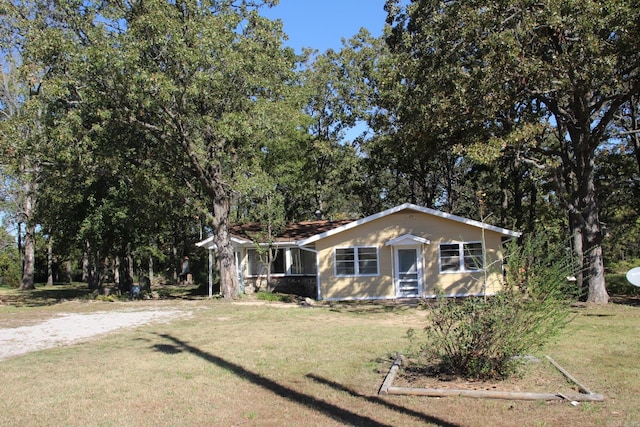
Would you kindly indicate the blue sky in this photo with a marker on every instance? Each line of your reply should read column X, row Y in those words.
column 322, row 24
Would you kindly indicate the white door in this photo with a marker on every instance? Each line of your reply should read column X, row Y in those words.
column 408, row 271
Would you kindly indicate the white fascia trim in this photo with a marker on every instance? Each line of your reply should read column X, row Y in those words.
column 407, row 206
column 250, row 244
column 407, row 238
column 206, row 242
column 209, row 244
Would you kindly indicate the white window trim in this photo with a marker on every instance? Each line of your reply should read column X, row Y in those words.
column 461, row 266
column 356, row 261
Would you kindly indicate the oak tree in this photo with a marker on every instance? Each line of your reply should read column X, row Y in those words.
column 540, row 80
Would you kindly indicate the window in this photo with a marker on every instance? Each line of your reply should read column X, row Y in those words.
column 473, row 256
column 465, row 256
column 288, row 261
column 302, row 262
column 256, row 262
column 356, row 261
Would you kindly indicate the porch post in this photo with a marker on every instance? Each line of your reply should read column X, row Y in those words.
column 210, row 273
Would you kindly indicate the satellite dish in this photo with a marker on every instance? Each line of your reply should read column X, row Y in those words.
column 633, row 276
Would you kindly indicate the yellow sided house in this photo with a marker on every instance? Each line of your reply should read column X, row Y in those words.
column 407, row 251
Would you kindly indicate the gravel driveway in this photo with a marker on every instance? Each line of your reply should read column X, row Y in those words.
column 69, row 328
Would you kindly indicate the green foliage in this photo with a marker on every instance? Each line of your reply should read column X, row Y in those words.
column 10, row 268
column 617, row 284
column 272, row 296
column 532, row 85
column 485, row 338
column 10, row 273
column 623, row 266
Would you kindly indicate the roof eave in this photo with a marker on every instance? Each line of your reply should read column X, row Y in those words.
column 400, row 208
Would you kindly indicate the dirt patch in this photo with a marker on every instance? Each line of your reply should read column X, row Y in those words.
column 69, row 328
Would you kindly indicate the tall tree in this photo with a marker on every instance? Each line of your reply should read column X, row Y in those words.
column 205, row 81
column 209, row 81
column 337, row 95
column 508, row 73
column 22, row 138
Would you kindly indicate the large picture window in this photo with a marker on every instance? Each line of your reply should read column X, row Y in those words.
column 357, row 261
column 463, row 256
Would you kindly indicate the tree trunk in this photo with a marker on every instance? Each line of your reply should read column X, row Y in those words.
column 69, row 271
column 150, row 270
column 576, row 237
column 20, row 247
column 29, row 246
column 126, row 281
column 29, row 243
column 174, row 261
column 50, row 271
column 597, row 289
column 116, row 273
column 592, row 236
column 593, row 245
column 85, row 266
column 585, row 220
column 229, row 285
column 269, row 264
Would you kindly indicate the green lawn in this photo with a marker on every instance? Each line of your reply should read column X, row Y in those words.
column 272, row 364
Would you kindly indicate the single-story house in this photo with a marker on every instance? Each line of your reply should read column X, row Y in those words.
column 407, row 251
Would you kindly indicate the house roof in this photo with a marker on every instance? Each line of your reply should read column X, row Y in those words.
column 291, row 233
column 412, row 207
column 244, row 234
column 306, row 232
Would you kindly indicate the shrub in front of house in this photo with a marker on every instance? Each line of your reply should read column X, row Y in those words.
column 274, row 296
column 486, row 338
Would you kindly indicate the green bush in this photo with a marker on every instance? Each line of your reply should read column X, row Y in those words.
column 622, row 266
column 484, row 338
column 10, row 273
column 273, row 296
column 617, row 284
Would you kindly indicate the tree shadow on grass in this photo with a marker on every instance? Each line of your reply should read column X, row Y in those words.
column 183, row 292
column 378, row 401
column 398, row 306
column 631, row 300
column 47, row 295
column 335, row 412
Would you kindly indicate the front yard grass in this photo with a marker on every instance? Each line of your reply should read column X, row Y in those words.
column 271, row 364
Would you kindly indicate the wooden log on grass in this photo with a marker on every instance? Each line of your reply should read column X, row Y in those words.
column 581, row 387
column 391, row 375
column 492, row 394
column 585, row 396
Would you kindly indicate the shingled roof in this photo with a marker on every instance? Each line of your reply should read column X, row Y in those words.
column 292, row 232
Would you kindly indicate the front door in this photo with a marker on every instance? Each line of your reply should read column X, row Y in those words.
column 408, row 270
